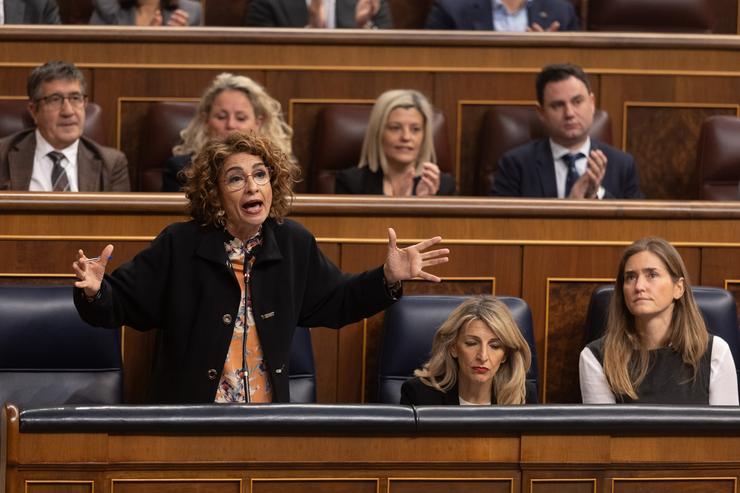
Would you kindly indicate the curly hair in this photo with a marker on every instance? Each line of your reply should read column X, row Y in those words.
column 204, row 176
column 440, row 372
column 266, row 109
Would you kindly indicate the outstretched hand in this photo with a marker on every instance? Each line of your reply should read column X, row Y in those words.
column 407, row 263
column 90, row 272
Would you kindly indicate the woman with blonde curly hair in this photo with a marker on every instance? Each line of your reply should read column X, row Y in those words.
column 398, row 157
column 656, row 348
column 479, row 357
column 228, row 288
column 232, row 103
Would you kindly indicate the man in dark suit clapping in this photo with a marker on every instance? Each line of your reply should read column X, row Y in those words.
column 568, row 164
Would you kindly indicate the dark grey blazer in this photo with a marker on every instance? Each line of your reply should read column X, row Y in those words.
column 110, row 12
column 294, row 13
column 31, row 12
column 529, row 171
column 478, row 14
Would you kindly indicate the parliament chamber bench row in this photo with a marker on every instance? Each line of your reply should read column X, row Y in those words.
column 340, row 129
column 702, row 16
column 552, row 254
column 49, row 357
column 371, row 449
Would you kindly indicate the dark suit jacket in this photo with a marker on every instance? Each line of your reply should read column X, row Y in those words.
column 171, row 182
column 529, row 171
column 183, row 285
column 99, row 168
column 362, row 181
column 31, row 12
column 294, row 13
column 416, row 393
column 478, row 14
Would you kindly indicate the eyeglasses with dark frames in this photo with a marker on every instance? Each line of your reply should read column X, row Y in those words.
column 56, row 101
column 236, row 180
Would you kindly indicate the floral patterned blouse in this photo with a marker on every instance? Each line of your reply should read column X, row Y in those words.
column 245, row 374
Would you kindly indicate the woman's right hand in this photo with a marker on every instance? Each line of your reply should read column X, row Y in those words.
column 90, row 272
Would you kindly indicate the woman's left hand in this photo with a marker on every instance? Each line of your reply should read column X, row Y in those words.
column 365, row 11
column 429, row 180
column 178, row 18
column 407, row 263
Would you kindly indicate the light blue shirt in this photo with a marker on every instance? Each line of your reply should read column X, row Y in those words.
column 506, row 21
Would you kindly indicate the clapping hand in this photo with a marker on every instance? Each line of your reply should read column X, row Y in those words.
column 429, row 180
column 178, row 18
column 365, row 11
column 316, row 14
column 90, row 271
column 536, row 28
column 408, row 263
column 587, row 186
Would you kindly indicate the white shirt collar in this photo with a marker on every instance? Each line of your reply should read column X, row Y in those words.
column 558, row 150
column 43, row 148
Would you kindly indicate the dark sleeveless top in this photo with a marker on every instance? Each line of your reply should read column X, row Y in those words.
column 669, row 379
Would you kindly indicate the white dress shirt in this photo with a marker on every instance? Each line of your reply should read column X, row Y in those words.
column 505, row 21
column 43, row 165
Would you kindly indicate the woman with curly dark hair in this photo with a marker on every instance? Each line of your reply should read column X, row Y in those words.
column 228, row 288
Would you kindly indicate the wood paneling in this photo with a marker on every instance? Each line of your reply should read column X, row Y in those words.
column 176, row 486
column 648, row 128
column 454, row 69
column 51, row 486
column 314, row 486
column 560, row 485
column 450, row 485
column 670, row 485
column 550, row 253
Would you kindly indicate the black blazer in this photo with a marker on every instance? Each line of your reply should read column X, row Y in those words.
column 529, row 171
column 294, row 13
column 362, row 181
column 416, row 393
column 478, row 14
column 171, row 181
column 183, row 285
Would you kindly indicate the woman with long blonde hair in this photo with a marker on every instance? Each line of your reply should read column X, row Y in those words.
column 479, row 357
column 656, row 348
column 398, row 156
column 232, row 103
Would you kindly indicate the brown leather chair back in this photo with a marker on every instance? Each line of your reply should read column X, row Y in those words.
column 75, row 11
column 506, row 127
column 718, row 158
column 14, row 117
column 686, row 16
column 340, row 130
column 225, row 12
column 160, row 132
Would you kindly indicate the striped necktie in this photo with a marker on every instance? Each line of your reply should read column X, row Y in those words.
column 59, row 179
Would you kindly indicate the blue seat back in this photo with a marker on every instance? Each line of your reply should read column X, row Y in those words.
column 49, row 356
column 302, row 369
